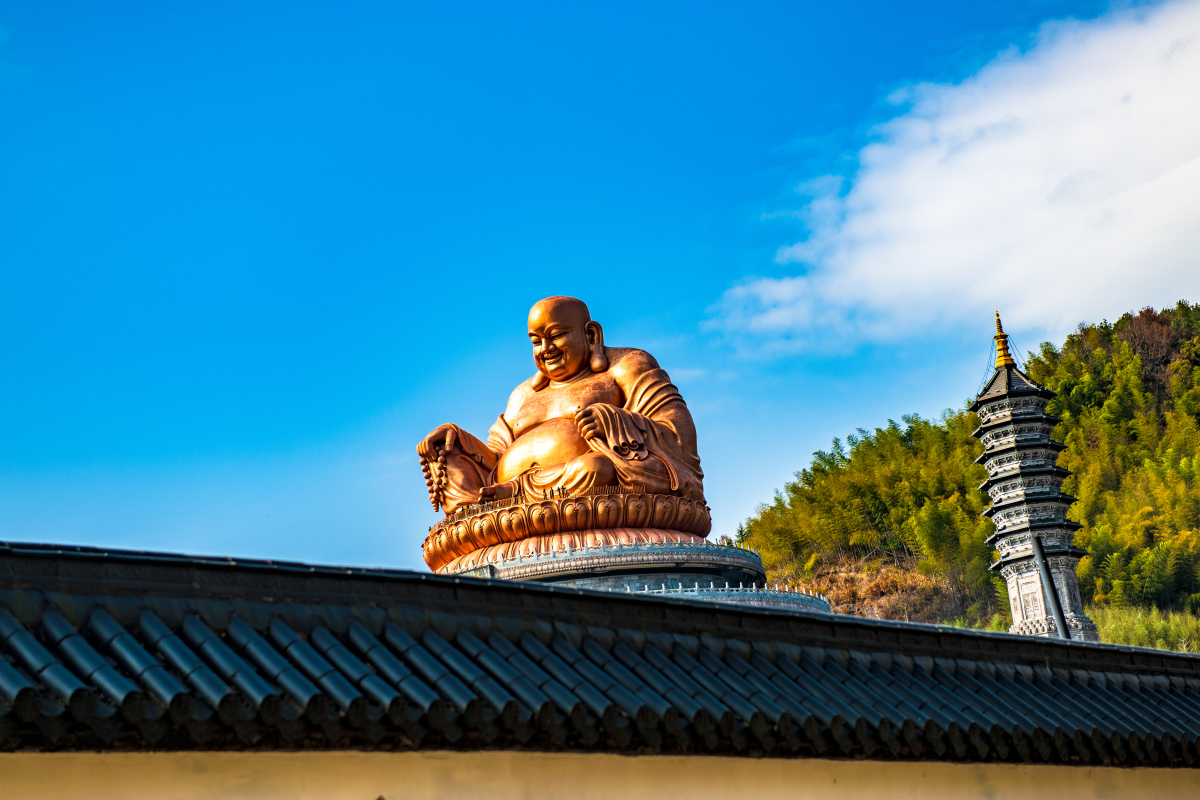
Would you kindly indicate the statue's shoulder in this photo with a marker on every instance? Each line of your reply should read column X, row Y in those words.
column 627, row 363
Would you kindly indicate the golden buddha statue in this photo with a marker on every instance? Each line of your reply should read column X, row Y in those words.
column 591, row 416
column 592, row 420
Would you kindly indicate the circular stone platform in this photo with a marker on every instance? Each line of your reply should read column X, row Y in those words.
column 620, row 551
column 687, row 568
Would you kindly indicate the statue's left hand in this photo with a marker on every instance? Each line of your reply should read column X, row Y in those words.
column 587, row 421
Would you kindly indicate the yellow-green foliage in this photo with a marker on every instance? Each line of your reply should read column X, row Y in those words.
column 1129, row 398
column 1174, row 630
column 897, row 491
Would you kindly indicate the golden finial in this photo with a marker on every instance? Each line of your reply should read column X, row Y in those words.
column 1003, row 358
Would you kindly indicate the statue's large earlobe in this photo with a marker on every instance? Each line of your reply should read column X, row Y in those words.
column 595, row 334
column 539, row 381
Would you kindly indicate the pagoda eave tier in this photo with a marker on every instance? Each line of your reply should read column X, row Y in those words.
column 1010, row 394
column 1049, row 552
column 1015, row 420
column 1056, row 471
column 1039, row 528
column 1008, row 449
column 1036, row 500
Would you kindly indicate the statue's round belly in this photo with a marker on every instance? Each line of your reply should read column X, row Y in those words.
column 550, row 444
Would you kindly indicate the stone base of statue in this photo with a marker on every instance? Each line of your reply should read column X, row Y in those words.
column 608, row 541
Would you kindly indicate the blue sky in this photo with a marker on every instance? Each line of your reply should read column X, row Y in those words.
column 251, row 253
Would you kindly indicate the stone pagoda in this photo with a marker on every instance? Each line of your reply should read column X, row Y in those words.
column 1033, row 535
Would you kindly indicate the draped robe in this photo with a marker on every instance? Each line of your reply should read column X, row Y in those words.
column 647, row 444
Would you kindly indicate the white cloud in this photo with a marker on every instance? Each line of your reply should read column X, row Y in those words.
column 1062, row 184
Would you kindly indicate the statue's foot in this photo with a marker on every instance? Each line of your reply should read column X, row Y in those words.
column 497, row 491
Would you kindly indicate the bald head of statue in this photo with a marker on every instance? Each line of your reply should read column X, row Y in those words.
column 566, row 341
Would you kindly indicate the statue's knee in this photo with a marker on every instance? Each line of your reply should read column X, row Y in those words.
column 601, row 468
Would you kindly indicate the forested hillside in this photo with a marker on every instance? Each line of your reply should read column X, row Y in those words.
column 887, row 522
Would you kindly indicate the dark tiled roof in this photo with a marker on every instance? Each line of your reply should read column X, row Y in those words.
column 1008, row 380
column 117, row 650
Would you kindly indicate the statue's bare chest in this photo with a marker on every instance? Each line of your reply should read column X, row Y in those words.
column 557, row 402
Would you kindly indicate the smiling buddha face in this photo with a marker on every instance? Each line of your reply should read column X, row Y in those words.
column 564, row 338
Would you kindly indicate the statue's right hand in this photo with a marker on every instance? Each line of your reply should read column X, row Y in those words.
column 439, row 442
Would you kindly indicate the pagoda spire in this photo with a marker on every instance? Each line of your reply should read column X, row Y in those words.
column 1003, row 357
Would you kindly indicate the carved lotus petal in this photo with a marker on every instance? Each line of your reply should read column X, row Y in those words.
column 435, row 550
column 607, row 512
column 460, row 541
column 664, row 511
column 543, row 518
column 575, row 514
column 637, row 511
column 685, row 515
column 514, row 525
column 484, row 531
